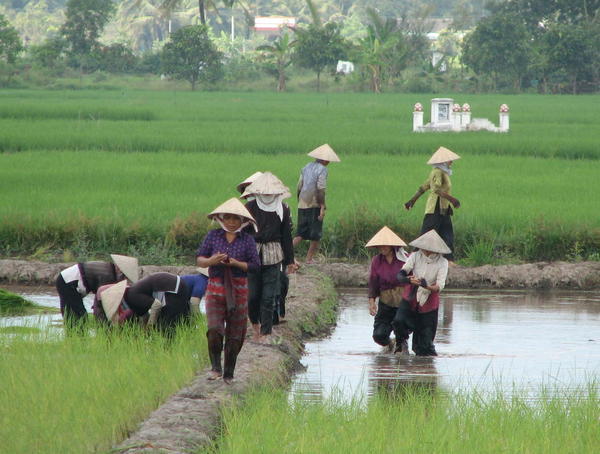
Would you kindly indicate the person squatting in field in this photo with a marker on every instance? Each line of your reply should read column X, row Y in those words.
column 438, row 212
column 425, row 270
column 75, row 282
column 275, row 249
column 385, row 287
column 160, row 299
column 311, row 198
column 229, row 253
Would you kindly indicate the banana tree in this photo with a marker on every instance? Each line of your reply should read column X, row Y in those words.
column 280, row 54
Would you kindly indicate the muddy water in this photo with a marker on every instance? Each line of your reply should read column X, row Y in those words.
column 509, row 341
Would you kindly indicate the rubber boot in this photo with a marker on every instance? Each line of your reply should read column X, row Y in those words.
column 215, row 347
column 232, row 348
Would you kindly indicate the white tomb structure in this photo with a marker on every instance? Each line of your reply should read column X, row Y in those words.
column 446, row 115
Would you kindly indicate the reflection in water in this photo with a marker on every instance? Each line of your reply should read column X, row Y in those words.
column 396, row 376
column 514, row 341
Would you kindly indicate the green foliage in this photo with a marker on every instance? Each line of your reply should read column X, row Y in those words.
column 279, row 55
column 498, row 46
column 84, row 22
column 10, row 42
column 190, row 55
column 319, row 47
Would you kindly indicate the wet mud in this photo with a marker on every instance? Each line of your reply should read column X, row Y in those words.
column 539, row 275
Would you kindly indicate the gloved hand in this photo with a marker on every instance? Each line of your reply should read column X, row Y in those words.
column 423, row 283
column 402, row 277
column 154, row 312
column 408, row 205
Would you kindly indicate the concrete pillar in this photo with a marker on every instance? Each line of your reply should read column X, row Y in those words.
column 465, row 118
column 417, row 117
column 456, row 118
column 504, row 123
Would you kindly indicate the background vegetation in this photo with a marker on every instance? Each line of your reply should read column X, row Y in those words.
column 522, row 45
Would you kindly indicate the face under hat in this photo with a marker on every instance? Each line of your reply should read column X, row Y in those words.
column 324, row 153
column 442, row 155
column 385, row 237
column 431, row 241
column 128, row 265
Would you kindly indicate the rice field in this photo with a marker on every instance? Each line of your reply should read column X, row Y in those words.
column 85, row 394
column 84, row 173
column 413, row 420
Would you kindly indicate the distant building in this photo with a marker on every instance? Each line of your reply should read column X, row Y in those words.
column 273, row 25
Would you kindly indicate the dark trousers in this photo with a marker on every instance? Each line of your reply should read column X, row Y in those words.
column 71, row 303
column 423, row 326
column 382, row 327
column 284, row 285
column 263, row 286
column 177, row 306
column 442, row 224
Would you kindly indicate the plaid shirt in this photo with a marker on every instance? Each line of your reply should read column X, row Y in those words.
column 243, row 249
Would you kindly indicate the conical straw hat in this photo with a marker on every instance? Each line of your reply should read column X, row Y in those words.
column 442, row 155
column 111, row 298
column 267, row 183
column 324, row 153
column 431, row 241
column 128, row 265
column 385, row 237
column 202, row 270
column 232, row 206
column 240, row 187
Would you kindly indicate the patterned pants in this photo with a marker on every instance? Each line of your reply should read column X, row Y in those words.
column 221, row 324
column 232, row 326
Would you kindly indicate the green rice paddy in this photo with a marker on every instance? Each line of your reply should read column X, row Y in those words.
column 85, row 173
column 85, row 394
column 413, row 420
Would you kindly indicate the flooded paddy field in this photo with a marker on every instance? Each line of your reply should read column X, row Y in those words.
column 515, row 341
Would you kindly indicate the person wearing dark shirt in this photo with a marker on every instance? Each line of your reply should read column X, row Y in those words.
column 229, row 253
column 196, row 284
column 384, row 285
column 165, row 293
column 274, row 244
column 75, row 282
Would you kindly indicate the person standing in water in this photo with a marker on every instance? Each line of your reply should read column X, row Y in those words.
column 440, row 204
column 385, row 286
column 425, row 270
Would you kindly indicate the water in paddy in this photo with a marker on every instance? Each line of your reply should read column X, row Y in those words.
column 513, row 341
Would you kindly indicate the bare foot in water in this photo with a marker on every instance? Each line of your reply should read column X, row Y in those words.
column 213, row 375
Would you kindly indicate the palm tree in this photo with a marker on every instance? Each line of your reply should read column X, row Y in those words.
column 280, row 53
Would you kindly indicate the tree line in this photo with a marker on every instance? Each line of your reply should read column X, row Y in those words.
column 519, row 45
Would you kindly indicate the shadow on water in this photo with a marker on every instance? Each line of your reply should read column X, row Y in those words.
column 513, row 341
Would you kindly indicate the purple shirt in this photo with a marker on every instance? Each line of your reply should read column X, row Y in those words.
column 383, row 275
column 243, row 249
